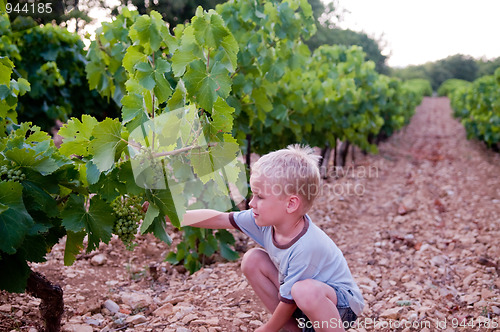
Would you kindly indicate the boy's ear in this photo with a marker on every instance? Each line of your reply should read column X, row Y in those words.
column 294, row 203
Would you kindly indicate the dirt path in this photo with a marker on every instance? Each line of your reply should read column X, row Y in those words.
column 419, row 224
column 428, row 227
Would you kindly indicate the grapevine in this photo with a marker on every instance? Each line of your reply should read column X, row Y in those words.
column 477, row 105
column 128, row 213
column 187, row 100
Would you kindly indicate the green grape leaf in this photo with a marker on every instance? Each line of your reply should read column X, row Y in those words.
column 6, row 66
column 222, row 116
column 202, row 164
column 107, row 143
column 34, row 135
column 133, row 107
column 225, row 236
column 108, row 186
column 188, row 52
column 206, row 249
column 158, row 229
column 133, row 57
column 178, row 98
column 95, row 76
column 3, row 208
column 162, row 89
column 146, row 31
column 6, row 92
column 209, row 32
column 151, row 214
column 23, row 85
column 38, row 199
column 223, row 153
column 76, row 135
column 74, row 245
column 261, row 100
column 34, row 248
column 165, row 203
column 97, row 221
column 145, row 75
column 92, row 172
column 230, row 49
column 227, row 252
column 15, row 221
column 19, row 271
column 30, row 158
column 126, row 175
column 205, row 86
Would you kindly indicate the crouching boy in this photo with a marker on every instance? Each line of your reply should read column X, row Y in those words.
column 300, row 275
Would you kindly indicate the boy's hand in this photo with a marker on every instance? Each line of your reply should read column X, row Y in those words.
column 145, row 206
column 265, row 328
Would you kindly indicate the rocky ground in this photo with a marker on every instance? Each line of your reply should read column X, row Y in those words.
column 419, row 224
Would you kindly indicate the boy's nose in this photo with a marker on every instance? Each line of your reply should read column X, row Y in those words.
column 251, row 204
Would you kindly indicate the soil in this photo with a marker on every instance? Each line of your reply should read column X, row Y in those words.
column 419, row 225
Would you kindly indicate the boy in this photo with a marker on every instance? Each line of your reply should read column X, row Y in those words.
column 300, row 273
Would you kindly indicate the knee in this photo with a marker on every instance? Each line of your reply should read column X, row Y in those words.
column 306, row 293
column 252, row 261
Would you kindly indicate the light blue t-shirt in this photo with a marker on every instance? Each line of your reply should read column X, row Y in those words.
column 310, row 255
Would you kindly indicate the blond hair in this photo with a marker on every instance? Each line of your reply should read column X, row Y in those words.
column 291, row 171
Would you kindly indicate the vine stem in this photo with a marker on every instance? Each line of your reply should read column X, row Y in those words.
column 153, row 104
column 52, row 305
column 208, row 60
column 181, row 150
column 174, row 152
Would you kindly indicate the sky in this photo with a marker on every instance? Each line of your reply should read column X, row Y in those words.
column 418, row 31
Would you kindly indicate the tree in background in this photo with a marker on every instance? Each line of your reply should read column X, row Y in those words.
column 487, row 67
column 459, row 66
column 173, row 11
column 332, row 36
column 329, row 33
column 53, row 61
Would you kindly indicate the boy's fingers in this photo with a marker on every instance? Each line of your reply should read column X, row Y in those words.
column 145, row 206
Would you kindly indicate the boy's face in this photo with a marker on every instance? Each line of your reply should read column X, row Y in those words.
column 268, row 203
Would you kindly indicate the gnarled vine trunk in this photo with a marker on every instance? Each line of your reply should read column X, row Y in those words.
column 52, row 305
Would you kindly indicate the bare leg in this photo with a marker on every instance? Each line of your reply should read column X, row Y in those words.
column 319, row 302
column 262, row 275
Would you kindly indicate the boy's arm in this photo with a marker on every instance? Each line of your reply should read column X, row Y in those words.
column 206, row 218
column 280, row 317
column 202, row 218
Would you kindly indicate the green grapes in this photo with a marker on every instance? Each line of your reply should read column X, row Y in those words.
column 11, row 174
column 151, row 169
column 128, row 212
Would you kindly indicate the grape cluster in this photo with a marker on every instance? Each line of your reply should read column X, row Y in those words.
column 152, row 168
column 10, row 174
column 128, row 212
